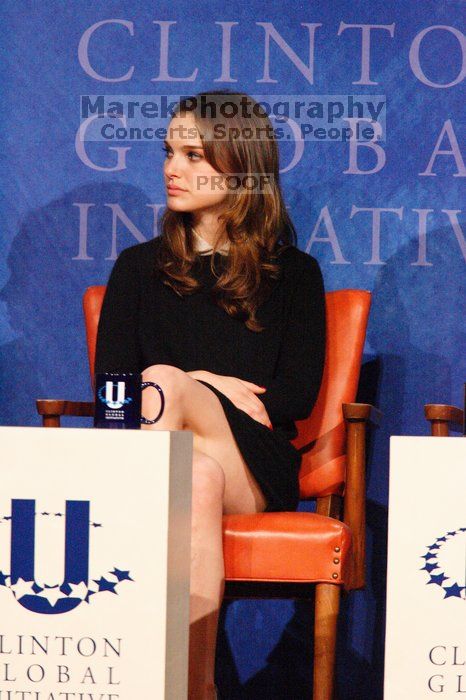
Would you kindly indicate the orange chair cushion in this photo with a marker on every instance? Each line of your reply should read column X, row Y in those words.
column 288, row 547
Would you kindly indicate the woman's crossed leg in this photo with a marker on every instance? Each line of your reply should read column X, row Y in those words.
column 222, row 483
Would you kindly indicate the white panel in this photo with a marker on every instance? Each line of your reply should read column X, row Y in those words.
column 425, row 648
column 138, row 486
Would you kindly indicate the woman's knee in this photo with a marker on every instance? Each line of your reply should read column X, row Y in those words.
column 172, row 380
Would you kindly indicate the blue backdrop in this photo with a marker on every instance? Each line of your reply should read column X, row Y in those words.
column 386, row 219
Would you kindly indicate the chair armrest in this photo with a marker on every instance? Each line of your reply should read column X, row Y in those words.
column 441, row 417
column 357, row 415
column 357, row 412
column 52, row 409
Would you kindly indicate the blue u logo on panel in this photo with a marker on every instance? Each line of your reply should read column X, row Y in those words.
column 82, row 579
column 51, row 599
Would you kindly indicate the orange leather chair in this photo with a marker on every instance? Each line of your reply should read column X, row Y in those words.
column 281, row 554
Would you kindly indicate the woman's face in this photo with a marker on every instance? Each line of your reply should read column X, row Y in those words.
column 185, row 167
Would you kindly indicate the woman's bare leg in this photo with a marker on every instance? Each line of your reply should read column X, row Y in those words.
column 207, row 573
column 222, row 483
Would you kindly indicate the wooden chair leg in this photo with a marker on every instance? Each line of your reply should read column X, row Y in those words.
column 327, row 603
column 51, row 421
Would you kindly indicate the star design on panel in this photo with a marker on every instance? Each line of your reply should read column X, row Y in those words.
column 51, row 593
column 445, row 563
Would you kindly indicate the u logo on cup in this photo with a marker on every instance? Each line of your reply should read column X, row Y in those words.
column 118, row 398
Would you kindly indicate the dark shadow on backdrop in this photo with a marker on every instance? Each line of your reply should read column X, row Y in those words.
column 43, row 294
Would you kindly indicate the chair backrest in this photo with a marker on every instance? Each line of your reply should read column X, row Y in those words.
column 92, row 304
column 322, row 436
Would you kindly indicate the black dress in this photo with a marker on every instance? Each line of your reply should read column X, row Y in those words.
column 144, row 322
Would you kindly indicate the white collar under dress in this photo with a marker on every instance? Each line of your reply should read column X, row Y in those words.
column 204, row 248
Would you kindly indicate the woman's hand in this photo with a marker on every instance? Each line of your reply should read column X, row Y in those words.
column 240, row 392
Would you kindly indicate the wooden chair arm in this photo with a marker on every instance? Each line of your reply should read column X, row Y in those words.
column 357, row 415
column 442, row 417
column 356, row 412
column 52, row 409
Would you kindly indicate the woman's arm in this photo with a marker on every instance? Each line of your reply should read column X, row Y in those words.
column 241, row 392
column 117, row 347
column 291, row 395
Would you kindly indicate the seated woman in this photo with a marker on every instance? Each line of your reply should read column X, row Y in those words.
column 227, row 315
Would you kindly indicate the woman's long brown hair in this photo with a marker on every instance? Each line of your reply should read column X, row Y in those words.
column 257, row 224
